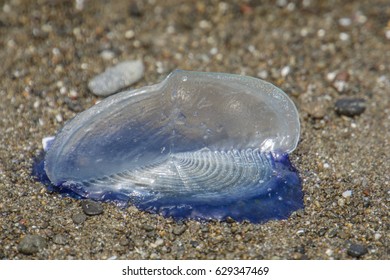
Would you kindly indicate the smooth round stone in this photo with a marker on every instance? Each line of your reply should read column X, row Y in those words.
column 179, row 230
column 350, row 106
column 91, row 207
column 59, row 239
column 357, row 250
column 32, row 244
column 117, row 77
column 79, row 218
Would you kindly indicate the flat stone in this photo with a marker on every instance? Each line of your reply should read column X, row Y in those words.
column 79, row 218
column 32, row 244
column 357, row 250
column 117, row 77
column 59, row 239
column 179, row 230
column 91, row 208
column 350, row 106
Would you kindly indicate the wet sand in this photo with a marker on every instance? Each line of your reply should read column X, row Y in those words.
column 316, row 52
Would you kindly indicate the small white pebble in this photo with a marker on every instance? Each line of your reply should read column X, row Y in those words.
column 59, row 118
column 353, row 125
column 281, row 3
column 263, row 74
column 112, row 258
column 285, row 71
column 304, row 32
column 56, row 51
column 107, row 54
column 6, row 8
column 345, row 21
column 300, row 231
column 331, row 76
column 213, row 51
column 340, row 86
column 321, row 33
column 159, row 241
column 251, row 48
column 79, row 5
column 223, row 7
column 204, row 24
column 11, row 43
column 326, row 165
column 377, row 236
column 387, row 34
column 344, row 36
column 73, row 93
column 36, row 104
column 63, row 90
column 347, row 193
column 171, row 29
column 383, row 80
column 129, row 34
column 291, row 6
column 47, row 28
column 77, row 32
column 360, row 17
column 117, row 77
column 160, row 67
column 329, row 252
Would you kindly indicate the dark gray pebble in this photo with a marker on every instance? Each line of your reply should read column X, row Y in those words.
column 31, row 244
column 91, row 207
column 350, row 106
column 179, row 230
column 59, row 239
column 194, row 243
column 357, row 250
column 79, row 218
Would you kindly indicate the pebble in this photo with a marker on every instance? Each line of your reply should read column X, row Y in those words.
column 285, row 71
column 148, row 228
column 329, row 252
column 345, row 22
column 332, row 233
column 91, row 208
column 316, row 110
column 350, row 106
column 357, row 250
column 377, row 236
column 107, row 55
column 347, row 193
column 79, row 218
column 339, row 80
column 59, row 239
column 32, row 244
column 117, row 77
column 179, row 230
column 157, row 243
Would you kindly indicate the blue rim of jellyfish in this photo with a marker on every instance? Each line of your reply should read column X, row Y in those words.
column 281, row 196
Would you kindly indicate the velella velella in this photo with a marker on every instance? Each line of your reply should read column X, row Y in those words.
column 196, row 145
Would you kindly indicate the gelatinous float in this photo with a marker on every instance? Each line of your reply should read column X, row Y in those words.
column 197, row 145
